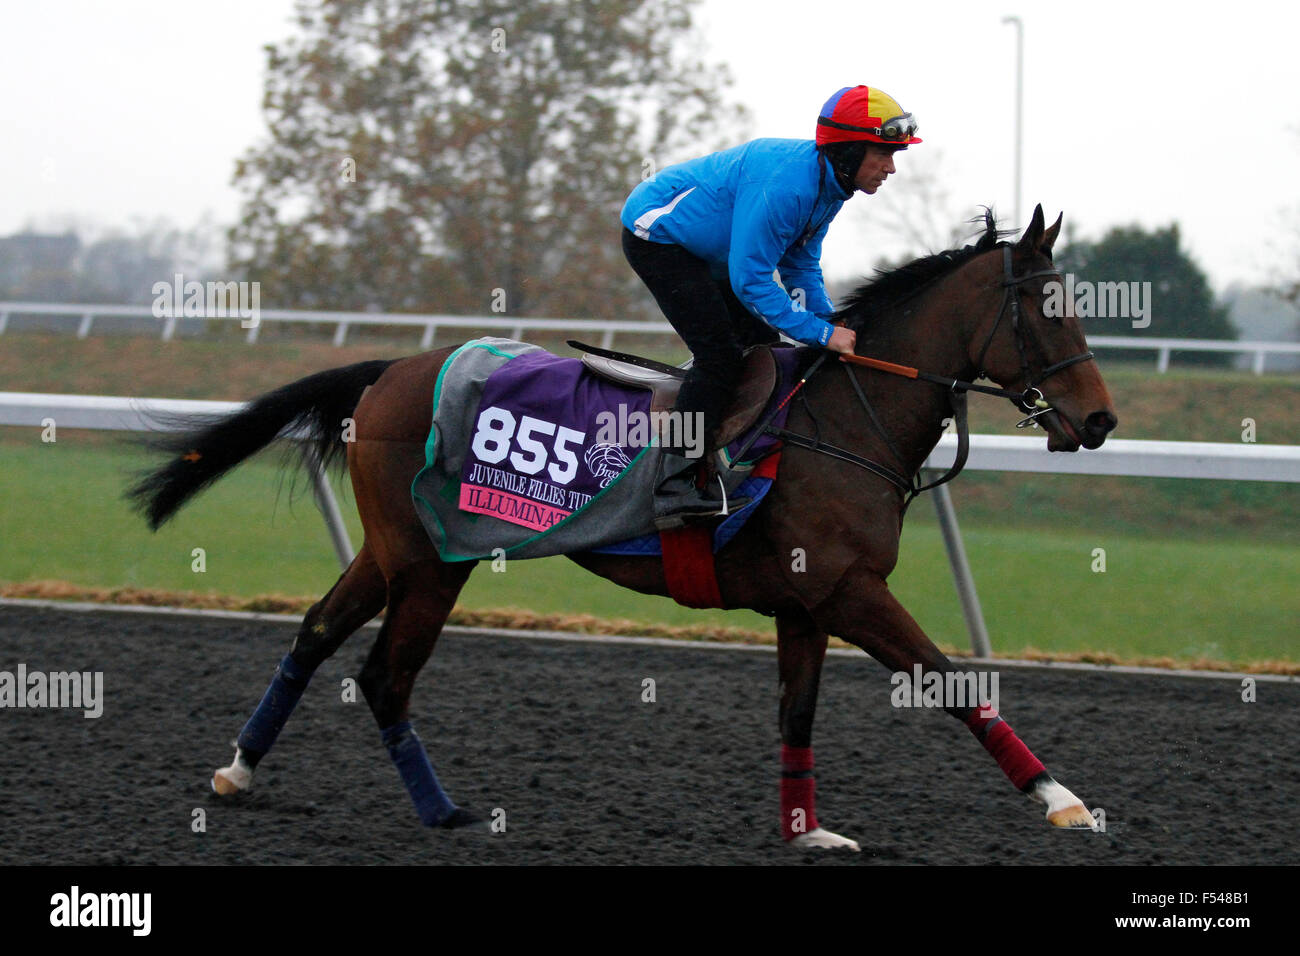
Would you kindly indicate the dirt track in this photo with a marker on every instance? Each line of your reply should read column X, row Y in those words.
column 556, row 734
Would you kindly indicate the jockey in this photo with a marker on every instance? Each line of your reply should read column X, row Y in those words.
column 706, row 236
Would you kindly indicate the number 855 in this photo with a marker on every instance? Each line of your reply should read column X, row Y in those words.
column 495, row 429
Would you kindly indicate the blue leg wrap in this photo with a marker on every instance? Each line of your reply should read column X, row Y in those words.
column 290, row 680
column 431, row 801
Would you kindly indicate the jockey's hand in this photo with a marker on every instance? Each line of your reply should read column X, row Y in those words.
column 843, row 340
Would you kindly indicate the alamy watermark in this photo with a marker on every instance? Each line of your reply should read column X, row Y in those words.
column 208, row 300
column 632, row 428
column 57, row 689
column 79, row 909
column 947, row 689
column 1099, row 300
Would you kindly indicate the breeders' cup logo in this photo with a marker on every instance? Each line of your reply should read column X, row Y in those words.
column 606, row 462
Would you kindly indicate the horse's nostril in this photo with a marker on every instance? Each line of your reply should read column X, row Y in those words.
column 1101, row 423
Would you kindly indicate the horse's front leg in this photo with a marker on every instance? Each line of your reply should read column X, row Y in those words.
column 801, row 648
column 862, row 611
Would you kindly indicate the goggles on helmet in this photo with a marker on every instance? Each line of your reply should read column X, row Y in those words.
column 896, row 130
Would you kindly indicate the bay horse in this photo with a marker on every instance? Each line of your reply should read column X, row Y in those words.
column 842, row 510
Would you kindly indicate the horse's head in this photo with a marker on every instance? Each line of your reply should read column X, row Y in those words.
column 1041, row 351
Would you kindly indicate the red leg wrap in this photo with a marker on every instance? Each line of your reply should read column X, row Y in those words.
column 797, row 792
column 1007, row 749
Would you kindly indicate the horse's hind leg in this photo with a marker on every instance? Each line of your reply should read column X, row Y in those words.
column 864, row 612
column 356, row 597
column 801, row 648
column 420, row 597
column 392, row 422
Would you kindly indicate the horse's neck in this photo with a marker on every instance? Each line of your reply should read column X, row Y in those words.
column 929, row 336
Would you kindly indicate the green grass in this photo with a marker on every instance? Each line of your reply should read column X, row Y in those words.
column 1194, row 568
column 1216, row 593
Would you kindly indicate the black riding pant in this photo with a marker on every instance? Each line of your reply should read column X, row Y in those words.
column 704, row 310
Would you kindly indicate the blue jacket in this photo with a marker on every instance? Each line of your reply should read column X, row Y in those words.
column 746, row 211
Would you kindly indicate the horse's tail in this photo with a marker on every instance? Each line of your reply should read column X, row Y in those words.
column 205, row 448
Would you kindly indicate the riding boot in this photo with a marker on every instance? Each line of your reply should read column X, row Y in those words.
column 677, row 499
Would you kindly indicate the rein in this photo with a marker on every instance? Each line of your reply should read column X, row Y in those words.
column 1030, row 398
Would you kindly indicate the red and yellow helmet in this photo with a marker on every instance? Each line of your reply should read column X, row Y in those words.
column 864, row 113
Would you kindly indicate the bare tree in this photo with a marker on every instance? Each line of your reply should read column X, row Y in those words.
column 913, row 215
column 919, row 211
column 457, row 155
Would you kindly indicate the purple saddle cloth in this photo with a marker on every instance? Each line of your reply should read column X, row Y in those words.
column 531, row 454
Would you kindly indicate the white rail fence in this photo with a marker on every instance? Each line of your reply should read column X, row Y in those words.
column 1129, row 457
column 517, row 328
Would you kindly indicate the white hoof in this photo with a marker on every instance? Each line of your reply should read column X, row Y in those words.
column 234, row 779
column 1064, row 809
column 823, row 840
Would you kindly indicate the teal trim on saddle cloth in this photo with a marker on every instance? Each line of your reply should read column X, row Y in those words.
column 431, row 453
column 431, row 443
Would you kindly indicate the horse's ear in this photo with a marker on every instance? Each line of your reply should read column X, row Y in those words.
column 1049, row 236
column 1033, row 237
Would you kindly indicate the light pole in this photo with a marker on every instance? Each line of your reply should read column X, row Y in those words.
column 1020, row 99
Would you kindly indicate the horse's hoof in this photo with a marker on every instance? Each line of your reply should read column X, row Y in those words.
column 463, row 819
column 231, row 780
column 820, row 839
column 1064, row 809
column 1076, row 817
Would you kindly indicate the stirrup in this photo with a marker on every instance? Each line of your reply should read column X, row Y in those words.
column 693, row 504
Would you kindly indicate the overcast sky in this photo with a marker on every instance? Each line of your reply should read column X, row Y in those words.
column 1134, row 112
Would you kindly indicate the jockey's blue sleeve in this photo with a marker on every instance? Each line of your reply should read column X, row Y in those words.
column 800, row 268
column 762, row 228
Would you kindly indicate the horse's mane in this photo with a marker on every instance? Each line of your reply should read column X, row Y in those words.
column 890, row 288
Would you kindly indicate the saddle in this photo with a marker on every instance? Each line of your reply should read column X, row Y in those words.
column 759, row 378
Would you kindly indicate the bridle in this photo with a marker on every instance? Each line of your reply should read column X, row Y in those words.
column 1030, row 398
column 1011, row 303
